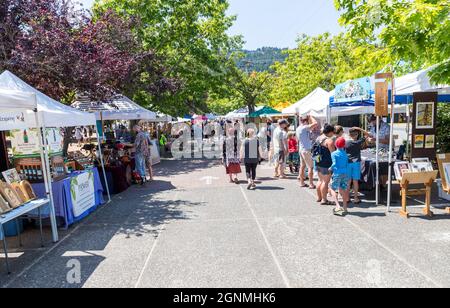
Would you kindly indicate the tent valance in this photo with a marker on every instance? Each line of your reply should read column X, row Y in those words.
column 51, row 112
column 266, row 110
column 118, row 108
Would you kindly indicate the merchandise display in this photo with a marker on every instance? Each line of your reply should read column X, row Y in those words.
column 4, row 206
column 10, row 195
column 26, row 187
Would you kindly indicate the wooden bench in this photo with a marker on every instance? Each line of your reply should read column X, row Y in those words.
column 425, row 178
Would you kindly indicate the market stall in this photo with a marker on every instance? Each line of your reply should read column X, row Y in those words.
column 17, row 198
column 30, row 165
column 119, row 113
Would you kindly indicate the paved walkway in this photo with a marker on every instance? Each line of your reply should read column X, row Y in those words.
column 193, row 229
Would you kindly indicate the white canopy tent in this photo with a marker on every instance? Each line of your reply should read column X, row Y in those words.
column 418, row 82
column 51, row 112
column 315, row 103
column 117, row 109
column 13, row 101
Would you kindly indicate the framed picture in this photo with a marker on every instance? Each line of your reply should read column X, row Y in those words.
column 421, row 160
column 10, row 195
column 4, row 206
column 400, row 168
column 11, row 176
column 419, row 141
column 28, row 189
column 425, row 115
column 421, row 167
column 20, row 193
column 430, row 141
column 446, row 167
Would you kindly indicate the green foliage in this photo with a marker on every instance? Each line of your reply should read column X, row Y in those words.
column 261, row 60
column 324, row 61
column 192, row 36
column 415, row 33
column 443, row 127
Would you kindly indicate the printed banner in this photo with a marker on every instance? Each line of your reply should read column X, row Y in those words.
column 82, row 191
column 12, row 119
column 25, row 142
column 353, row 91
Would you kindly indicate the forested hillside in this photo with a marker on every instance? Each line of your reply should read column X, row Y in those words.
column 261, row 60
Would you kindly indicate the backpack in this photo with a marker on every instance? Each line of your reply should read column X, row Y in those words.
column 317, row 151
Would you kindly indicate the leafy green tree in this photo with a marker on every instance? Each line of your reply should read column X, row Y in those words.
column 415, row 33
column 324, row 61
column 192, row 36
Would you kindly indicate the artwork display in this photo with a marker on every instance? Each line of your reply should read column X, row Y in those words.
column 446, row 167
column 421, row 160
column 425, row 116
column 4, row 206
column 11, row 176
column 400, row 168
column 422, row 167
column 430, row 142
column 28, row 189
column 419, row 141
column 10, row 195
column 20, row 193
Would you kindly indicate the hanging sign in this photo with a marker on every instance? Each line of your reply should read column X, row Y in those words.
column 25, row 142
column 382, row 94
column 353, row 90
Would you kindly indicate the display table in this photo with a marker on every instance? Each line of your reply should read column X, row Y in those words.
column 117, row 178
column 69, row 207
column 16, row 214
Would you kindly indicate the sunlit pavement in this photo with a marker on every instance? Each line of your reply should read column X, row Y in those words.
column 191, row 228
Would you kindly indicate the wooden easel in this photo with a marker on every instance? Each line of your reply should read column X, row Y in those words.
column 442, row 159
column 425, row 178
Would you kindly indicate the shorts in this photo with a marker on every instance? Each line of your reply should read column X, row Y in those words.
column 340, row 181
column 280, row 157
column 307, row 159
column 354, row 171
column 323, row 171
column 294, row 158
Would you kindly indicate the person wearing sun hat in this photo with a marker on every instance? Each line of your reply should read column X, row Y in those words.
column 340, row 177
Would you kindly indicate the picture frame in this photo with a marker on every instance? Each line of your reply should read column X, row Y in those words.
column 425, row 115
column 419, row 141
column 446, row 168
column 10, row 195
column 4, row 206
column 400, row 168
column 422, row 167
column 430, row 141
column 20, row 193
column 421, row 160
column 28, row 189
column 11, row 176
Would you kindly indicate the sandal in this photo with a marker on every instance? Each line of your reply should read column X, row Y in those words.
column 312, row 187
column 357, row 201
column 327, row 203
column 304, row 186
column 236, row 181
column 339, row 212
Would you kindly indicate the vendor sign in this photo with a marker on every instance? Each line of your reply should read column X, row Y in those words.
column 424, row 125
column 12, row 119
column 353, row 90
column 25, row 142
column 82, row 190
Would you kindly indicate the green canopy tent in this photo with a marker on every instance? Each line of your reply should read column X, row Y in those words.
column 265, row 111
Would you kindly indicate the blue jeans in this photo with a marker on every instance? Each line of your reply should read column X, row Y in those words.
column 140, row 165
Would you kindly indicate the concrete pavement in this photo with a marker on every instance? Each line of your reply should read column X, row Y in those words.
column 191, row 228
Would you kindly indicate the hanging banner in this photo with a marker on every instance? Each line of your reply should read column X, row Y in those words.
column 25, row 142
column 382, row 93
column 353, row 91
column 12, row 119
column 82, row 191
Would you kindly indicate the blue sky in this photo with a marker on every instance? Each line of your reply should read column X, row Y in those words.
column 277, row 23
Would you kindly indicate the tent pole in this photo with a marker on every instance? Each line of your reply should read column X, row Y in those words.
column 377, row 188
column 408, row 129
column 103, row 166
column 391, row 146
column 47, row 176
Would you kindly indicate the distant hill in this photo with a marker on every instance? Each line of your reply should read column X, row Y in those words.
column 261, row 60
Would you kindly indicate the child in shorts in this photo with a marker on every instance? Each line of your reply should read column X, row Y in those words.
column 340, row 177
column 354, row 147
column 294, row 156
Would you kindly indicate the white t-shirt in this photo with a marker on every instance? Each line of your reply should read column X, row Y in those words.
column 278, row 140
